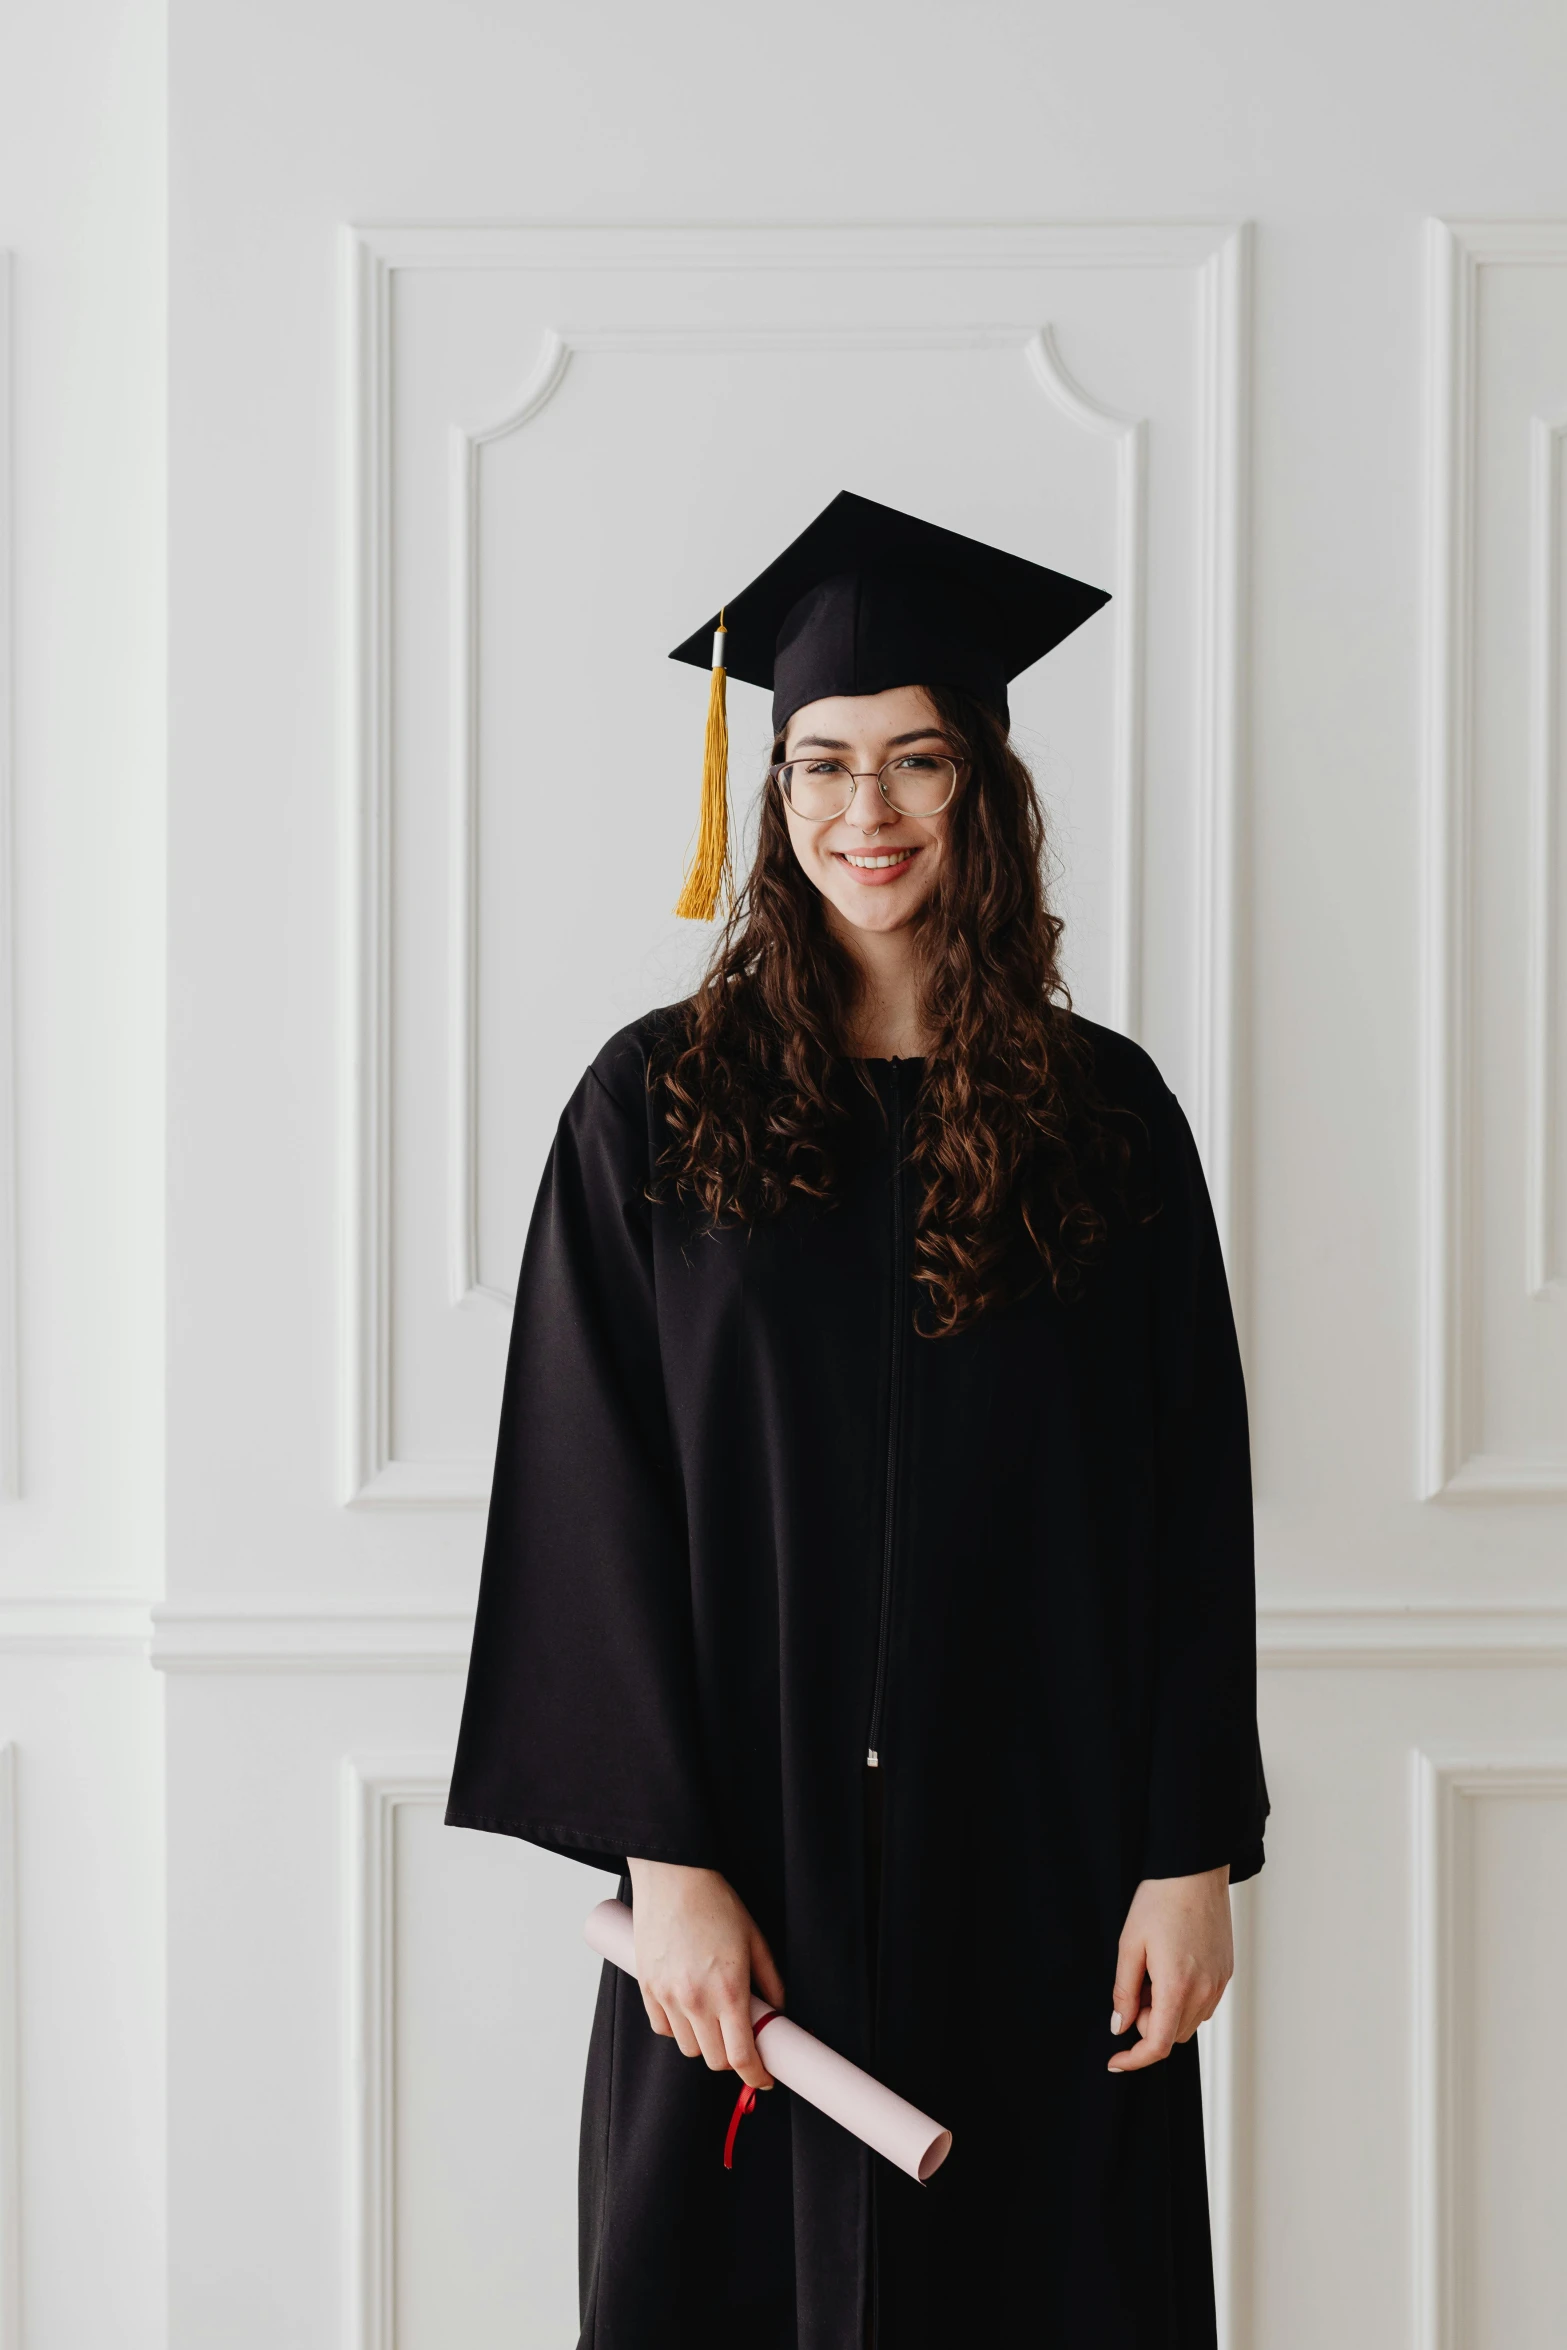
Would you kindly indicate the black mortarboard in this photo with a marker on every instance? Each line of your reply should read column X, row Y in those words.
column 867, row 598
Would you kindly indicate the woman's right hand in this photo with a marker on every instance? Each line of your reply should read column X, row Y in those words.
column 698, row 1952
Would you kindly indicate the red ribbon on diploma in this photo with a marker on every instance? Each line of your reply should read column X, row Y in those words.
column 747, row 2096
column 866, row 2108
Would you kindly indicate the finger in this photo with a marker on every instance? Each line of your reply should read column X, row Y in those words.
column 715, row 2055
column 1157, row 2025
column 741, row 2048
column 1199, row 2006
column 656, row 2015
column 1215, row 2001
column 680, row 2024
column 1131, row 1969
column 1192, row 2002
column 764, row 1972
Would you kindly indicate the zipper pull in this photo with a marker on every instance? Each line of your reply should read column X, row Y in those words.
column 872, row 1759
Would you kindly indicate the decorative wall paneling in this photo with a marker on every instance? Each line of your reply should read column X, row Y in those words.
column 1432, row 1632
column 83, row 1624
column 1547, row 1175
column 1494, row 1305
column 1453, row 2251
column 261, row 1635
column 1227, row 2054
column 373, row 1793
column 282, row 1636
column 1129, row 438
column 398, row 1640
column 10, row 2078
column 377, row 1790
column 10, row 1436
column 401, row 2286
column 627, row 288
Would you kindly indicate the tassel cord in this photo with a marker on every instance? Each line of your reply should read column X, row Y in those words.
column 708, row 876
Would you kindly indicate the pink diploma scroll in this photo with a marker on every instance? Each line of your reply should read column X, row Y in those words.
column 823, row 2078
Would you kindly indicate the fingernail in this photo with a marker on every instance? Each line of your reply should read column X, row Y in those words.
column 1115, row 2021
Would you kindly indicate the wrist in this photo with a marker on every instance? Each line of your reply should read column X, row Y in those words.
column 654, row 1872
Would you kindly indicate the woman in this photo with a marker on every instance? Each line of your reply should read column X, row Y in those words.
column 868, row 1576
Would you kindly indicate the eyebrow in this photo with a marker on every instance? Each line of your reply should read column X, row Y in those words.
column 827, row 742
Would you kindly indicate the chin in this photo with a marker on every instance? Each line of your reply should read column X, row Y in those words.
column 876, row 916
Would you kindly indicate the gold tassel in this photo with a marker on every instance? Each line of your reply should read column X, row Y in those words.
column 708, row 873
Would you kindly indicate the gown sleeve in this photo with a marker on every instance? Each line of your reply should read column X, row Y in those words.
column 1207, row 1797
column 579, row 1723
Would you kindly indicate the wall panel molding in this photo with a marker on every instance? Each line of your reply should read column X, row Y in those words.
column 1218, row 259
column 1129, row 436
column 1546, row 1237
column 1223, row 515
column 10, row 1409
column 1391, row 1632
column 1451, row 1466
column 364, row 914
column 375, row 1788
column 10, row 2070
column 1228, row 2094
column 267, row 1635
column 74, row 1624
column 1443, row 1780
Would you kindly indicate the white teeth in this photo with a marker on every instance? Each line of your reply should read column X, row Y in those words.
column 897, row 858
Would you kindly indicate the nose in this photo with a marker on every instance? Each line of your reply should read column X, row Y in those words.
column 875, row 809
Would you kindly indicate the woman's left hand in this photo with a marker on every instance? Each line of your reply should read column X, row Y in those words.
column 1175, row 1958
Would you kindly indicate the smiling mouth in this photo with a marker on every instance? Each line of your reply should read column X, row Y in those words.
column 882, row 862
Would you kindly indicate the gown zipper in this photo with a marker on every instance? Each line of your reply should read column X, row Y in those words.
column 895, row 1396
column 874, row 1789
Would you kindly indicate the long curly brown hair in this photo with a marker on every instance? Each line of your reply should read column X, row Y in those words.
column 1009, row 1134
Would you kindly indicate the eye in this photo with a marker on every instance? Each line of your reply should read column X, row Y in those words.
column 918, row 763
column 825, row 767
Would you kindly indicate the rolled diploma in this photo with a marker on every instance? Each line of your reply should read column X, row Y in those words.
column 832, row 2084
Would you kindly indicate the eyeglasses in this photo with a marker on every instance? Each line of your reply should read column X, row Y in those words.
column 917, row 784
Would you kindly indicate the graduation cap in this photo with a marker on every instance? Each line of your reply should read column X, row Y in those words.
column 866, row 598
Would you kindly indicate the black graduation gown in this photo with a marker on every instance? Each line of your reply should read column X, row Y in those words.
column 746, row 1524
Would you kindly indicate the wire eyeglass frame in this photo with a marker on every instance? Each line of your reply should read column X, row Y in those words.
column 855, row 777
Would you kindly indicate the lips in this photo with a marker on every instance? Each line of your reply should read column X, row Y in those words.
column 875, row 866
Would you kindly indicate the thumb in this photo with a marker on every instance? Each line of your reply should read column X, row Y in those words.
column 1127, row 1997
column 763, row 1972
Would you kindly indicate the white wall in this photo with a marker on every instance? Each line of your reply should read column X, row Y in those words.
column 1372, row 1030
column 82, row 2071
